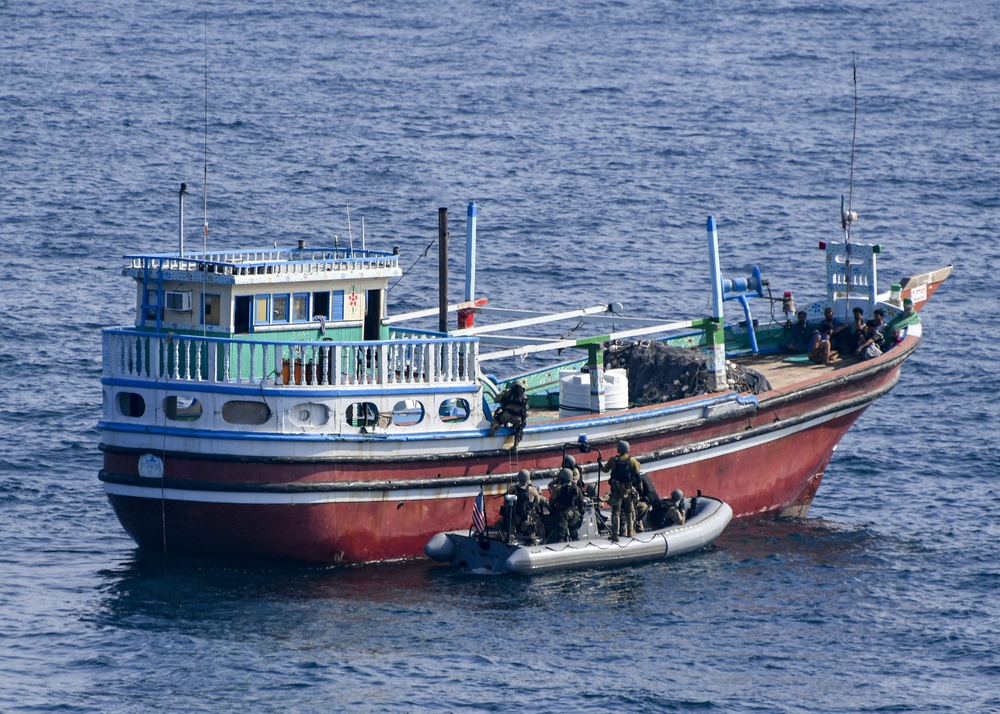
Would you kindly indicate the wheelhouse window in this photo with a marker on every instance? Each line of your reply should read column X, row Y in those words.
column 262, row 311
column 300, row 307
column 279, row 308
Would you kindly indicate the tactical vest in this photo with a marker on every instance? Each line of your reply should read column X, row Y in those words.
column 523, row 504
column 566, row 498
column 621, row 472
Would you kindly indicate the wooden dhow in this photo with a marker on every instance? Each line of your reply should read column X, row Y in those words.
column 264, row 404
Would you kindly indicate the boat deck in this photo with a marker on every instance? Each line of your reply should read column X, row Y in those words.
column 775, row 367
column 781, row 373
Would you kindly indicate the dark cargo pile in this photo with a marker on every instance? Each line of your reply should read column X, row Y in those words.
column 658, row 372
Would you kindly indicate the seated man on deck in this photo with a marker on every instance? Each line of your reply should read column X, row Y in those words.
column 512, row 410
column 894, row 330
column 846, row 340
column 869, row 342
column 820, row 350
column 799, row 342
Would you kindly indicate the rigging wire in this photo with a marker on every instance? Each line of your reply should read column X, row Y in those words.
column 419, row 258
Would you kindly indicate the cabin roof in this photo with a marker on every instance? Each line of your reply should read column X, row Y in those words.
column 265, row 265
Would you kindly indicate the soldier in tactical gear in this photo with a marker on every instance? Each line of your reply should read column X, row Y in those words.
column 567, row 506
column 676, row 511
column 512, row 410
column 646, row 497
column 588, row 489
column 522, row 517
column 624, row 476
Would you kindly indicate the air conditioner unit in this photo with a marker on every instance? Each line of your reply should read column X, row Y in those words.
column 178, row 301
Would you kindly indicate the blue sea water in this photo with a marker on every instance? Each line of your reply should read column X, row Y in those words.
column 595, row 137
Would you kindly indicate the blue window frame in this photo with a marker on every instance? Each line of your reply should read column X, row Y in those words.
column 280, row 308
column 300, row 307
column 262, row 309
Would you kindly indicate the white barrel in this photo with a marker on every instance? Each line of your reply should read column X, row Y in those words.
column 574, row 392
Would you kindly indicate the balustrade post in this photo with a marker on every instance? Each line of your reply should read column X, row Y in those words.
column 154, row 356
column 383, row 363
column 176, row 342
column 188, row 358
column 213, row 362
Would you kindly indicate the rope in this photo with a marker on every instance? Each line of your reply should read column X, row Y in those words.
column 419, row 258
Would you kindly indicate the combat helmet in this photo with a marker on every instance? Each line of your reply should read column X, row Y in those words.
column 623, row 447
column 677, row 495
column 569, row 462
column 565, row 476
column 523, row 477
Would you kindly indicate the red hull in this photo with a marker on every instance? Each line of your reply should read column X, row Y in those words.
column 363, row 532
column 766, row 464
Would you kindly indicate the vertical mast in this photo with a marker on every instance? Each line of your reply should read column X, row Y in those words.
column 470, row 253
column 180, row 238
column 715, row 332
column 443, row 270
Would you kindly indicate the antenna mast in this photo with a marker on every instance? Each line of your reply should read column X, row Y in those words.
column 848, row 216
column 205, row 176
column 854, row 135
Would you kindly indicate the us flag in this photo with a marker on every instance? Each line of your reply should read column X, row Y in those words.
column 479, row 514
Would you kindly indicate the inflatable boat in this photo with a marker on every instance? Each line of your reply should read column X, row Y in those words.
column 492, row 550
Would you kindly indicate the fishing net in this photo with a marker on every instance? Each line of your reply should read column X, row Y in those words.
column 658, row 372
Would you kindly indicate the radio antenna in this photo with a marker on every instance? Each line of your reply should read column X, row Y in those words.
column 854, row 136
column 350, row 233
column 205, row 176
column 204, row 240
column 848, row 216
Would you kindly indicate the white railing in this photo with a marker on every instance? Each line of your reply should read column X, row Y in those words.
column 267, row 262
column 193, row 358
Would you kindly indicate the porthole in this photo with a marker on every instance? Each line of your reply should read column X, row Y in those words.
column 407, row 412
column 252, row 413
column 131, row 404
column 309, row 414
column 362, row 414
column 182, row 408
column 454, row 410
